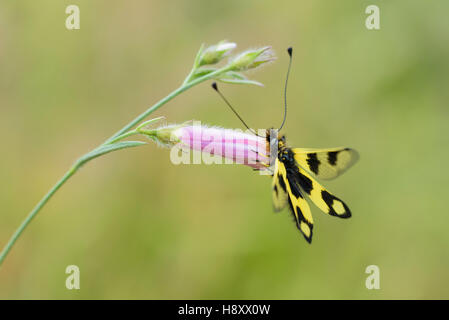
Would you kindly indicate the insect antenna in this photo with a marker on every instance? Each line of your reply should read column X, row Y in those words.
column 215, row 87
column 290, row 51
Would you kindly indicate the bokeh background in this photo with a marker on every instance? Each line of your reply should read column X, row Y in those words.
column 140, row 227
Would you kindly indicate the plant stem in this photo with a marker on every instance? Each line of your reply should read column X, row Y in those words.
column 36, row 209
column 122, row 133
column 163, row 101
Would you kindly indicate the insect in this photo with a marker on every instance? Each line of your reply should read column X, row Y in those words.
column 293, row 182
column 294, row 171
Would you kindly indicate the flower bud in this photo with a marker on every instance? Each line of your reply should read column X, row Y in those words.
column 164, row 135
column 216, row 53
column 251, row 59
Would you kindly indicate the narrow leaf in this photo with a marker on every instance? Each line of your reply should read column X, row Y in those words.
column 233, row 75
column 236, row 81
column 196, row 63
column 108, row 148
column 202, row 72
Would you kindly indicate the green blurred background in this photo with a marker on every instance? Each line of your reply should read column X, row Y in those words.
column 140, row 227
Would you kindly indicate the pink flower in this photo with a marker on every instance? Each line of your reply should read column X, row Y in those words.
column 235, row 146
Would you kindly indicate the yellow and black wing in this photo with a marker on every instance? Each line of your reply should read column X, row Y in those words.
column 326, row 164
column 322, row 198
column 279, row 190
column 284, row 180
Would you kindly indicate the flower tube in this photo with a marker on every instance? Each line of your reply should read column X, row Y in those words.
column 234, row 146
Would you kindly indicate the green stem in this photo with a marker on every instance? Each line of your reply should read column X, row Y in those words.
column 34, row 212
column 122, row 133
column 163, row 101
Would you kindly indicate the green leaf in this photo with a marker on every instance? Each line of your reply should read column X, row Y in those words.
column 227, row 77
column 237, row 78
column 236, row 81
column 106, row 149
column 197, row 61
column 232, row 75
column 202, row 72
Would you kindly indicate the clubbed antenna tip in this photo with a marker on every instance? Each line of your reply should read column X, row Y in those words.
column 214, row 85
column 290, row 51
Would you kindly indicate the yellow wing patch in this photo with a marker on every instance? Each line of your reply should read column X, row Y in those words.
column 326, row 164
column 279, row 190
column 322, row 198
column 298, row 205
